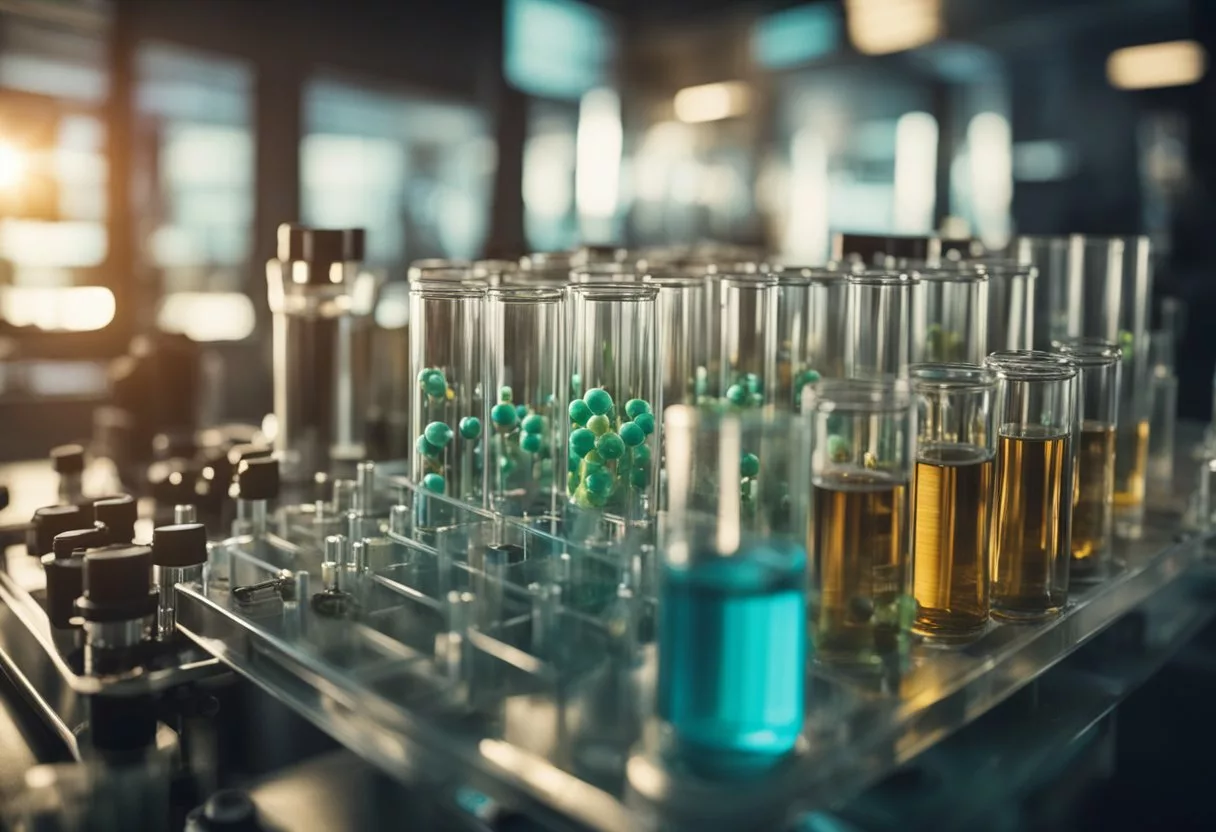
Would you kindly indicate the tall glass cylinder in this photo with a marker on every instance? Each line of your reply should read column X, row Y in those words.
column 1036, row 418
column 952, row 498
column 604, row 273
column 1049, row 257
column 732, row 622
column 525, row 328
column 747, row 359
column 321, row 349
column 1163, row 384
column 956, row 314
column 446, row 331
column 1099, row 367
column 827, row 324
column 886, row 332
column 863, row 435
column 438, row 270
column 683, row 336
column 811, row 320
column 613, row 437
column 1012, row 293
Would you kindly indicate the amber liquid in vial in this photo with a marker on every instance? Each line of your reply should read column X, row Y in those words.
column 1091, row 505
column 1032, row 512
column 858, row 537
column 1132, row 465
column 951, row 510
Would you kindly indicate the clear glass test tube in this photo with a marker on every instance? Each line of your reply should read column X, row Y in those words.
column 446, row 330
column 610, row 272
column 1036, row 418
column 438, row 270
column 1012, row 292
column 1164, row 414
column 952, row 499
column 522, row 418
column 683, row 336
column 811, row 318
column 613, row 436
column 863, row 435
column 956, row 314
column 732, row 640
column 747, row 359
column 1099, row 365
column 886, row 331
column 1049, row 257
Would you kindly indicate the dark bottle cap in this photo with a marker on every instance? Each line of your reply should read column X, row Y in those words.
column 354, row 246
column 184, row 544
column 247, row 450
column 117, row 584
column 291, row 242
column 64, row 584
column 323, row 246
column 66, row 543
column 258, row 479
column 172, row 481
column 67, row 459
column 119, row 515
column 52, row 520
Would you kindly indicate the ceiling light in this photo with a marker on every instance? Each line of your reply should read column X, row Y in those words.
column 1152, row 65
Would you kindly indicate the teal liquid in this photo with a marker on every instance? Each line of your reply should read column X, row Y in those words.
column 732, row 659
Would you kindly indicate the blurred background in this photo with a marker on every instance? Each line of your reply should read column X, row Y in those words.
column 149, row 149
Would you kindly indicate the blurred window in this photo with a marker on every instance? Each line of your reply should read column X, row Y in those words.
column 550, row 220
column 796, row 36
column 556, row 48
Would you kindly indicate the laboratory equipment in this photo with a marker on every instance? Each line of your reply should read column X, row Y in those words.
column 886, row 323
column 863, row 434
column 1036, row 419
column 952, row 499
column 683, row 336
column 118, row 515
column 1163, row 390
column 955, row 305
column 1012, row 293
column 811, row 317
column 1099, row 365
column 179, row 553
column 747, row 359
column 1049, row 256
column 68, row 463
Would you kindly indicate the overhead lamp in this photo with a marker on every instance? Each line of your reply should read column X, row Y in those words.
column 880, row 27
column 713, row 102
column 1170, row 64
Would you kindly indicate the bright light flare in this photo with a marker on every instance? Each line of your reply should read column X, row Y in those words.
column 13, row 164
column 51, row 308
column 207, row 316
column 1171, row 64
column 712, row 102
column 880, row 27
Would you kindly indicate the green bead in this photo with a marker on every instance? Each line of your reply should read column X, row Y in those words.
column 645, row 422
column 504, row 415
column 435, row 385
column 533, row 424
column 639, row 478
column 756, row 399
column 636, row 407
column 572, row 481
column 749, row 465
column 425, row 448
column 582, row 441
column 835, row 423
column 504, row 394
column 641, row 455
column 598, row 400
column 610, row 446
column 521, row 412
column 632, row 435
column 579, row 412
column 470, row 427
column 423, row 375
column 438, row 434
column 754, row 385
column 598, row 483
column 599, row 424
column 593, row 457
column 530, row 442
column 505, row 464
column 589, row 468
column 434, row 483
column 737, row 394
column 838, row 448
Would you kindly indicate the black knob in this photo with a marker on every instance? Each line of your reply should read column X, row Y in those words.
column 354, row 244
column 321, row 247
column 291, row 242
column 247, row 450
column 67, row 459
column 64, row 584
column 258, row 479
column 119, row 515
column 52, row 520
column 184, row 544
column 66, row 544
column 228, row 810
column 117, row 584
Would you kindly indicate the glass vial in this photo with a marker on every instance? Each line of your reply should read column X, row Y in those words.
column 886, row 332
column 1164, row 414
column 683, row 336
column 952, row 499
column 522, row 418
column 446, row 330
column 811, row 317
column 732, row 642
column 1012, row 293
column 1099, row 365
column 863, row 435
column 1036, row 421
column 321, row 306
column 1049, row 257
column 613, row 434
column 747, row 358
column 956, row 314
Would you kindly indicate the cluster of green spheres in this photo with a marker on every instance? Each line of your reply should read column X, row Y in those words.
column 436, row 435
column 746, row 392
column 607, row 450
column 508, row 416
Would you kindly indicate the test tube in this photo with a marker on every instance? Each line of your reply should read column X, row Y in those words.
column 952, row 499
column 446, row 408
column 1164, row 393
column 1049, row 258
column 731, row 684
column 439, row 270
column 863, row 434
column 179, row 553
column 1099, row 369
column 805, row 327
column 886, row 332
column 1012, row 290
column 747, row 358
column 604, row 273
column 1036, row 418
column 956, row 314
column 523, row 415
column 321, row 307
column 493, row 272
column 683, row 336
column 613, row 433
